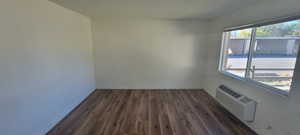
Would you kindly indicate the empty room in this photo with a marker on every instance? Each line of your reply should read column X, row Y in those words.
column 150, row 67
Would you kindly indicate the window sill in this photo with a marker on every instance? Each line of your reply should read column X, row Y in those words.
column 270, row 89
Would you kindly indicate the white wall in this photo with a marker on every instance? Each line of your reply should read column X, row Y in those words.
column 276, row 115
column 46, row 65
column 148, row 54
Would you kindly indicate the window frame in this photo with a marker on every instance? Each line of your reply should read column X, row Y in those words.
column 247, row 79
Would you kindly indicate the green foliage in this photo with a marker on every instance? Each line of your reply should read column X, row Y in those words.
column 244, row 33
column 279, row 30
column 275, row 30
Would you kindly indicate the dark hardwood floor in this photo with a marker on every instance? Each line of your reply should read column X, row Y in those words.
column 152, row 112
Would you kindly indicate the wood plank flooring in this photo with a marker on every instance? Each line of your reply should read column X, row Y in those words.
column 151, row 112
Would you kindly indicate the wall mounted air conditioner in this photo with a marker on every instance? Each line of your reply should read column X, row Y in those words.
column 241, row 106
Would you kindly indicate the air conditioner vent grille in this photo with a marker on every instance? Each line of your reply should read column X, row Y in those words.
column 230, row 92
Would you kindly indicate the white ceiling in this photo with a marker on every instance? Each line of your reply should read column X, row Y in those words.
column 163, row 9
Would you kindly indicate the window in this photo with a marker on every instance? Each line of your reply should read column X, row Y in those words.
column 262, row 54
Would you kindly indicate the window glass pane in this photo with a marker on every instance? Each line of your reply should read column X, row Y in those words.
column 236, row 49
column 275, row 52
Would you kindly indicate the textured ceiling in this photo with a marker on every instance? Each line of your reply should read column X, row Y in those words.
column 162, row 9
